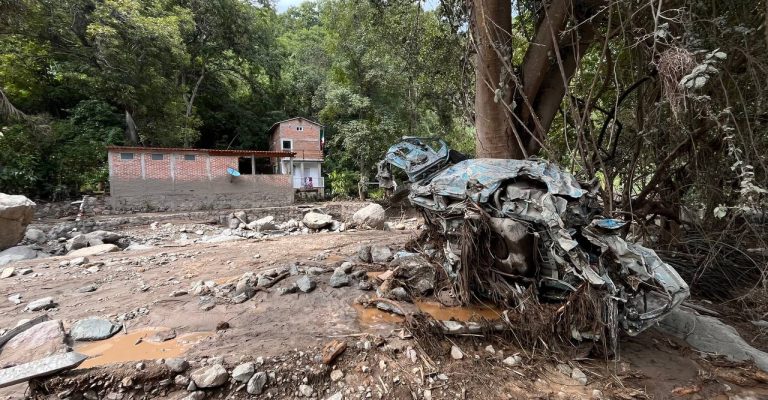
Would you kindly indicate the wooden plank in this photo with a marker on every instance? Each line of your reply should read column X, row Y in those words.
column 38, row 368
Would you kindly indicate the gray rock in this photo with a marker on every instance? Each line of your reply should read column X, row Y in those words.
column 336, row 375
column 7, row 272
column 87, row 289
column 76, row 242
column 15, row 298
column 100, row 237
column 17, row 253
column 305, row 390
column 316, row 220
column 399, row 294
column 243, row 372
column 209, row 377
column 198, row 395
column 339, row 278
column 240, row 298
column 287, row 290
column 315, row 271
column 346, row 267
column 24, row 271
column 177, row 365
column 365, row 285
column 263, row 224
column 181, row 381
column 191, row 387
column 15, row 214
column 93, row 329
column 41, row 304
column 579, row 376
column 711, row 335
column 77, row 261
column 94, row 250
column 256, row 383
column 456, row 353
column 41, row 340
column 381, row 254
column 306, row 284
column 337, row 396
column 35, row 235
column 511, row 360
column 364, row 253
column 372, row 216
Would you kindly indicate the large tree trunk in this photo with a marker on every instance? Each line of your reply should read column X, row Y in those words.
column 516, row 129
column 492, row 24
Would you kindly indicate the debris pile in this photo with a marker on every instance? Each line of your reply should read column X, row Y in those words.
column 524, row 234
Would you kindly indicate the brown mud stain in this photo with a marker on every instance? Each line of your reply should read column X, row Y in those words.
column 463, row 314
column 124, row 347
column 374, row 317
column 371, row 317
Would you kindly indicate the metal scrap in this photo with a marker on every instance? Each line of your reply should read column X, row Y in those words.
column 510, row 227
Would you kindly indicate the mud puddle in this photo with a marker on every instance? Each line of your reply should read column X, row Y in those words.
column 136, row 346
column 371, row 317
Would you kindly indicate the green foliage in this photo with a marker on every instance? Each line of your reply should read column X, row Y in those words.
column 343, row 182
column 218, row 73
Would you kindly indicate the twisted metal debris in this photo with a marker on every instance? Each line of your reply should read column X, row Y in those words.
column 523, row 233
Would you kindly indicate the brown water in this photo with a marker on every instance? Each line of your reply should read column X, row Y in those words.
column 371, row 317
column 463, row 314
column 122, row 347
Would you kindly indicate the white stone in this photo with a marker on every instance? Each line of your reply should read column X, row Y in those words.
column 456, row 353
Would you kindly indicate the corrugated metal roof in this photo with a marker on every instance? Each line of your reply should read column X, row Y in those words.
column 213, row 152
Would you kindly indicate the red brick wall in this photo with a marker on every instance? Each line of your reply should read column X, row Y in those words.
column 190, row 170
column 306, row 143
column 157, row 169
column 125, row 168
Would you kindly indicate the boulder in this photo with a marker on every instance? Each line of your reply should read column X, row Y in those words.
column 17, row 253
column 263, row 224
column 93, row 329
column 76, row 242
column 364, row 253
column 94, row 250
column 15, row 214
column 39, row 341
column 35, row 235
column 210, row 377
column 256, row 384
column 372, row 216
column 243, row 372
column 339, row 278
column 100, row 237
column 710, row 335
column 306, row 284
column 177, row 365
column 316, row 220
column 381, row 254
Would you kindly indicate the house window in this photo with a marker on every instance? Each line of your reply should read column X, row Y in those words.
column 287, row 144
column 126, row 156
column 244, row 166
column 157, row 156
column 189, row 157
column 300, row 128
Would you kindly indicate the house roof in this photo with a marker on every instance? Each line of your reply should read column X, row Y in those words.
column 291, row 119
column 212, row 152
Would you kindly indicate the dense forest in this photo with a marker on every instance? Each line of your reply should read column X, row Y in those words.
column 78, row 75
column 661, row 103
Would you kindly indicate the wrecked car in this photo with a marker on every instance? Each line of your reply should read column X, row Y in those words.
column 516, row 231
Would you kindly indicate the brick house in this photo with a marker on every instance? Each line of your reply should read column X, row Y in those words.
column 305, row 138
column 152, row 178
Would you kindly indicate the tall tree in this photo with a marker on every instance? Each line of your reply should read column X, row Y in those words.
column 515, row 104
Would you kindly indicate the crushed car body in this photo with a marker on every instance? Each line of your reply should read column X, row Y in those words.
column 515, row 226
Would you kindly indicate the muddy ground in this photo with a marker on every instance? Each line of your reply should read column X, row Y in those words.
column 285, row 334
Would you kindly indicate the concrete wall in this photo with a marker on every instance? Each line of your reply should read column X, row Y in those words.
column 173, row 183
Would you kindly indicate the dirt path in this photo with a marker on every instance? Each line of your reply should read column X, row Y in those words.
column 290, row 328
